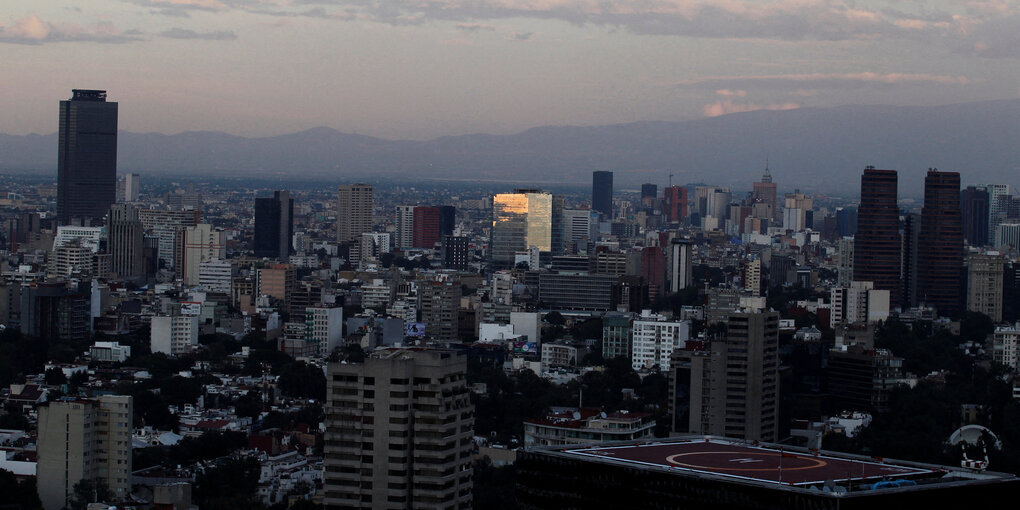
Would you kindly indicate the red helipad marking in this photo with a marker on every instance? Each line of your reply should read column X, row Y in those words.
column 748, row 462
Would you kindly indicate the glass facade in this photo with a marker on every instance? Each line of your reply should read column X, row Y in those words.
column 520, row 220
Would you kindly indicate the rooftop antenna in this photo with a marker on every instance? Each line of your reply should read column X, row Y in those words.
column 670, row 180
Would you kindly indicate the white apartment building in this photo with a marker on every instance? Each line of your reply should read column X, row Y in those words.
column 1004, row 345
column 173, row 335
column 216, row 275
column 110, row 351
column 860, row 303
column 653, row 340
column 324, row 328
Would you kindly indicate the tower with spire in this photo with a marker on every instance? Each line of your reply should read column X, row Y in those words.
column 765, row 192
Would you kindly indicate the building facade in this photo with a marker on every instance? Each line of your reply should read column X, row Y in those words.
column 87, row 156
column 84, row 439
column 274, row 226
column 602, row 193
column 399, row 429
column 355, row 203
column 940, row 244
column 877, row 242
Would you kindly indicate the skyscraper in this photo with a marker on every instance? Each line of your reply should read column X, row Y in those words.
column 403, row 238
column 274, row 226
column 399, row 429
column 911, row 248
column 681, row 266
column 877, row 243
column 602, row 193
column 126, row 241
column 87, row 156
column 354, row 211
column 765, row 192
column 974, row 215
column 520, row 220
column 132, row 185
column 649, row 192
column 675, row 203
column 940, row 245
column 425, row 233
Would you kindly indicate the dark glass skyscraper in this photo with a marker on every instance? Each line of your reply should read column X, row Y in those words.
column 274, row 225
column 940, row 244
column 602, row 193
column 87, row 156
column 974, row 215
column 877, row 242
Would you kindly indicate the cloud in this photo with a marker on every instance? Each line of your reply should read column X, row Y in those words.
column 34, row 30
column 520, row 36
column 474, row 27
column 726, row 107
column 819, row 80
column 728, row 92
column 182, row 33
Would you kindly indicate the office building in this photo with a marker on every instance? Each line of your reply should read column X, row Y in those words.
column 426, row 227
column 126, row 243
column 84, row 439
column 877, row 244
column 520, row 220
column 602, row 193
column 399, row 431
column 1007, row 235
column 974, row 215
column 681, row 265
column 846, row 221
column 649, row 194
column 985, row 275
column 403, row 238
column 999, row 199
column 168, row 225
column 765, row 192
column 675, row 204
column 277, row 281
column 202, row 243
column 862, row 378
column 447, row 219
column 616, row 336
column 52, row 312
column 940, row 244
column 733, row 384
column 454, row 252
column 845, row 267
column 1006, row 345
column 354, row 212
column 175, row 335
column 86, row 157
column 216, row 275
column 132, row 187
column 653, row 270
column 274, row 226
column 576, row 290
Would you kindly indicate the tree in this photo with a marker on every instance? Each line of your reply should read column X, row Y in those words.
column 90, row 491
column 18, row 494
column 229, row 485
column 298, row 379
column 555, row 318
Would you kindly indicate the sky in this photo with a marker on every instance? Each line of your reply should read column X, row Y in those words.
column 419, row 69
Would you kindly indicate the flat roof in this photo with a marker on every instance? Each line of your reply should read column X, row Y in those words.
column 750, row 462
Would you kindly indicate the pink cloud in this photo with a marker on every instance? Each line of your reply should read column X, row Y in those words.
column 728, row 92
column 726, row 107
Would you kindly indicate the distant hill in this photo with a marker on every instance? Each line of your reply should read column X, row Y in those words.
column 815, row 149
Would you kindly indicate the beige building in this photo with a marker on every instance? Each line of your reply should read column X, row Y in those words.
column 399, row 430
column 733, row 382
column 984, row 284
column 354, row 211
column 202, row 243
column 277, row 280
column 84, row 439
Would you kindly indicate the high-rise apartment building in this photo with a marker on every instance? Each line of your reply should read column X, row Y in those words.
column 126, row 241
column 399, row 431
column 733, row 384
column 985, row 275
column 602, row 193
column 440, row 301
column 84, row 439
column 877, row 242
column 87, row 156
column 520, row 220
column 940, row 245
column 653, row 340
column 274, row 226
column 974, row 215
column 999, row 197
column 354, row 211
column 845, row 267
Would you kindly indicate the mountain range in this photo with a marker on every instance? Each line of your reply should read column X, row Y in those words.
column 814, row 149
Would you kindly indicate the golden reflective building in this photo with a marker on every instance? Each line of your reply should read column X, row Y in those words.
column 520, row 220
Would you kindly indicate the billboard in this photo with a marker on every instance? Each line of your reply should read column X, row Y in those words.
column 414, row 329
column 526, row 347
column 191, row 308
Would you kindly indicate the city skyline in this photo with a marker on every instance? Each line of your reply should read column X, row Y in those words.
column 496, row 67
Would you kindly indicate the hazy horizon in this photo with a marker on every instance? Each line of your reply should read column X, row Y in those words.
column 411, row 70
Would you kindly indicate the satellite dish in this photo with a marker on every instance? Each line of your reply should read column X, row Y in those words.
column 577, row 415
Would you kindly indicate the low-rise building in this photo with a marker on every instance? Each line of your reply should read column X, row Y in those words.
column 582, row 426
